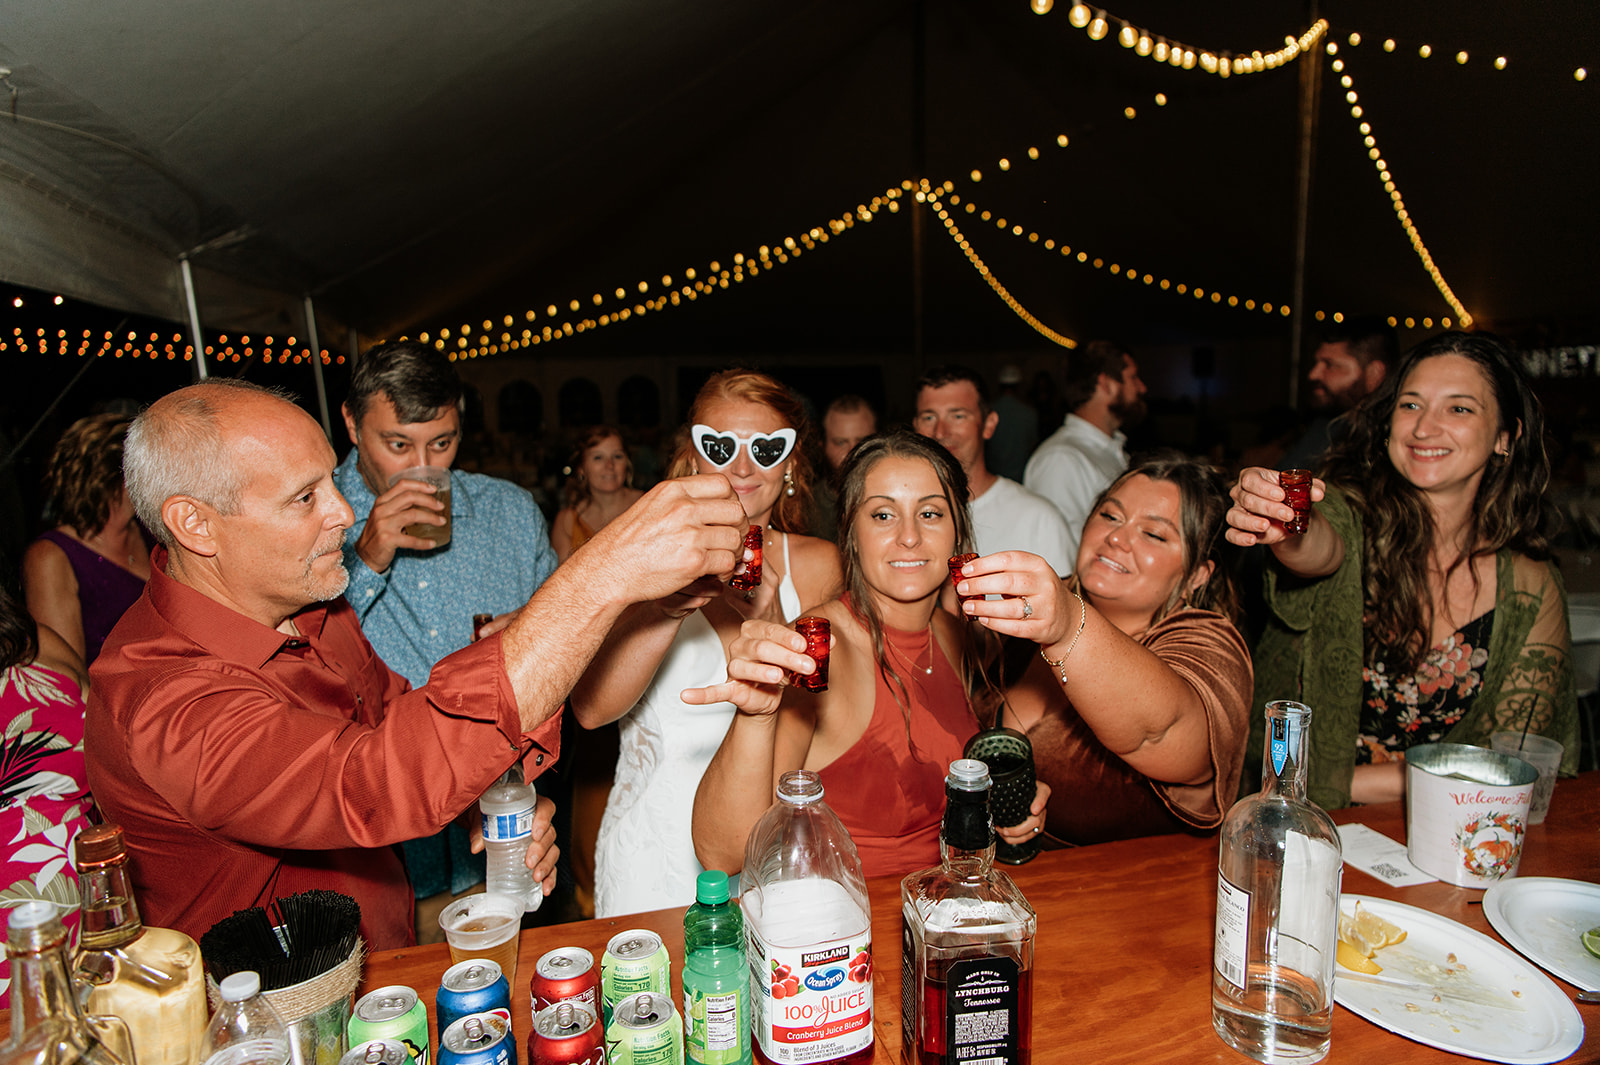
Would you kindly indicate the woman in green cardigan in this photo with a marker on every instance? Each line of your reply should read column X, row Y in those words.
column 1420, row 604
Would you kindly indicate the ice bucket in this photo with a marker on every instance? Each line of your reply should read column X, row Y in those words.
column 1466, row 812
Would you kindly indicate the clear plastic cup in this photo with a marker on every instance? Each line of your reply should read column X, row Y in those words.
column 437, row 478
column 1541, row 752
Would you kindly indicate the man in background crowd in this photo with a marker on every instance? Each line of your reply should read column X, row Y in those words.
column 414, row 598
column 1351, row 361
column 241, row 729
column 847, row 421
column 1074, row 465
column 953, row 408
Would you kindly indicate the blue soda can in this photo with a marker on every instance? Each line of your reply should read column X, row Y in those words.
column 472, row 986
column 478, row 1039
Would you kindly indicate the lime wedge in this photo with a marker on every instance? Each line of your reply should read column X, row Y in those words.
column 1591, row 941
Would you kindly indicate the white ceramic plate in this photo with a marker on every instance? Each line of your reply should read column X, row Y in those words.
column 1458, row 990
column 1543, row 916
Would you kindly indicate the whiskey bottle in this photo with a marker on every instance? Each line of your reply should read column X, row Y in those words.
column 966, row 984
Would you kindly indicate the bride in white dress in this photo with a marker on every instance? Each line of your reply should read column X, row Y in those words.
column 751, row 429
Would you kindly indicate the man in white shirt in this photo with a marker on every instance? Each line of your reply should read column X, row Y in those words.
column 1076, row 462
column 953, row 408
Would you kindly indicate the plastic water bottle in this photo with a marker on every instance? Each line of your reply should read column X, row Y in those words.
column 806, row 915
column 716, row 983
column 245, row 1030
column 507, row 809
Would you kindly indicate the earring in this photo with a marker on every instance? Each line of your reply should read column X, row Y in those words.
column 788, row 483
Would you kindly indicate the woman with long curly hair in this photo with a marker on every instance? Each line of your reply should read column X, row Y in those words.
column 1420, row 604
column 901, row 677
column 599, row 488
column 753, row 430
column 81, row 576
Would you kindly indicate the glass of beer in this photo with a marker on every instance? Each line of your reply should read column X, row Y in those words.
column 437, row 478
column 484, row 926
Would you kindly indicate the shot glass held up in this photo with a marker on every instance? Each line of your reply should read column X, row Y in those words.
column 1296, row 485
column 956, row 562
column 751, row 577
column 816, row 631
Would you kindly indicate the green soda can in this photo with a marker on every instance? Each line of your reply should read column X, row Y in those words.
column 645, row 1030
column 716, row 981
column 634, row 961
column 396, row 1013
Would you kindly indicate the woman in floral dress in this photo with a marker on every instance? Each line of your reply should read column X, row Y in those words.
column 44, row 797
column 1420, row 604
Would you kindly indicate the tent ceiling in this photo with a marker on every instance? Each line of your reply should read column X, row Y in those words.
column 410, row 164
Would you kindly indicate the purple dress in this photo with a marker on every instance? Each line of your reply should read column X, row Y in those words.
column 105, row 590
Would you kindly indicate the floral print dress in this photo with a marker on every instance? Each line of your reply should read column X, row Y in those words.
column 44, row 794
column 1401, row 712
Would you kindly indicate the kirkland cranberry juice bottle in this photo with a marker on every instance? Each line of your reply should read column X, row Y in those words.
column 808, row 927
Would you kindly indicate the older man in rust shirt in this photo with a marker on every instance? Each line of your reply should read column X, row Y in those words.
column 241, row 729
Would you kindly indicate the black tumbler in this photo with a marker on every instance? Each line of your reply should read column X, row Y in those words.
column 1009, row 756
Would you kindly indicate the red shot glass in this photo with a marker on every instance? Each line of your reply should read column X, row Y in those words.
column 1296, row 485
column 956, row 562
column 751, row 576
column 815, row 630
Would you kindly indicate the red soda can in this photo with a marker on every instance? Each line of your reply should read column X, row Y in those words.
column 1296, row 485
column 566, row 974
column 752, row 573
column 815, row 630
column 478, row 622
column 956, row 562
column 566, row 1034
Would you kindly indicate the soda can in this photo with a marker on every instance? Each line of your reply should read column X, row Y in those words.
column 751, row 577
column 478, row 1039
column 393, row 1012
column 566, row 974
column 566, row 1034
column 472, row 986
column 815, row 630
column 645, row 1029
column 377, row 1052
column 634, row 961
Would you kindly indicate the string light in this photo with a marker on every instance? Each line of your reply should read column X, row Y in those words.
column 1396, row 200
column 151, row 348
column 469, row 343
column 1144, row 43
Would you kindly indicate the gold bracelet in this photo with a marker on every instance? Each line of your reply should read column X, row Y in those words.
column 1083, row 619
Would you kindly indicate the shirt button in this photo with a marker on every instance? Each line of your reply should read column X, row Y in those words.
column 433, row 632
column 538, row 759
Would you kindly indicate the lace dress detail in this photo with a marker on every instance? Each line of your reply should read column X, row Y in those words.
column 1401, row 712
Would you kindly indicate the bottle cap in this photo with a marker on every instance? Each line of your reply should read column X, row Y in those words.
column 32, row 915
column 711, row 887
column 99, row 844
column 968, row 774
column 240, row 986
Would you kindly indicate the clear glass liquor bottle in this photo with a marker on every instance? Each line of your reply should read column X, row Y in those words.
column 47, row 1024
column 1278, row 873
column 967, row 941
column 151, row 977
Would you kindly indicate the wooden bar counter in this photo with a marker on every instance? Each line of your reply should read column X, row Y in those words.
column 1122, row 970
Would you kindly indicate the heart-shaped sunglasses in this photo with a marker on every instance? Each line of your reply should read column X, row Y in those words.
column 720, row 447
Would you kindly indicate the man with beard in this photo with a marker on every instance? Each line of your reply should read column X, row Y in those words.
column 241, row 729
column 1073, row 466
column 1350, row 362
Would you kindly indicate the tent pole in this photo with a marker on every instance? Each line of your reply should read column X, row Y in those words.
column 195, row 338
column 316, row 366
column 919, row 164
column 1310, row 84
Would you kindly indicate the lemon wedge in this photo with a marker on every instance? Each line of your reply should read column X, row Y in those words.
column 1591, row 941
column 1354, row 960
column 1379, row 933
